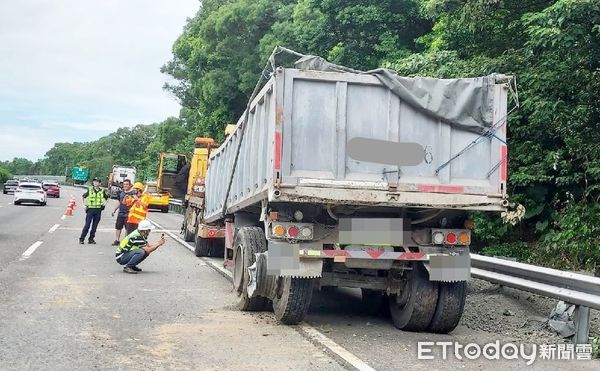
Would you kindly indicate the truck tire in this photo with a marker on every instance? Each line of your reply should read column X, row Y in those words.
column 248, row 241
column 292, row 299
column 202, row 246
column 187, row 236
column 414, row 312
column 450, row 307
column 375, row 302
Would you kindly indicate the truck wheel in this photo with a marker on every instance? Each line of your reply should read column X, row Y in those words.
column 248, row 241
column 450, row 306
column 187, row 236
column 202, row 247
column 375, row 302
column 292, row 299
column 414, row 309
column 164, row 209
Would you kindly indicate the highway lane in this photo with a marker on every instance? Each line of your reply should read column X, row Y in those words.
column 23, row 225
column 70, row 306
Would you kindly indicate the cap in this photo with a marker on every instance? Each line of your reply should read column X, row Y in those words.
column 96, row 179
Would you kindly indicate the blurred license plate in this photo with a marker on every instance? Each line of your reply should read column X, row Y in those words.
column 370, row 248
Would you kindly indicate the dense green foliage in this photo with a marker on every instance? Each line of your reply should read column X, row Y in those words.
column 4, row 175
column 552, row 47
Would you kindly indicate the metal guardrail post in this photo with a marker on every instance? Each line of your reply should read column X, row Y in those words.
column 582, row 325
column 176, row 206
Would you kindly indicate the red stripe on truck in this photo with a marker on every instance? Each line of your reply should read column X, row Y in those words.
column 440, row 188
column 504, row 165
column 277, row 160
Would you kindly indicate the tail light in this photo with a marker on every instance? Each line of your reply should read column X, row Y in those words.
column 279, row 230
column 293, row 231
column 296, row 231
column 464, row 238
column 453, row 237
column 438, row 238
column 40, row 192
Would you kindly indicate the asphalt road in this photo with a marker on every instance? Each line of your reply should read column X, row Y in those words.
column 68, row 306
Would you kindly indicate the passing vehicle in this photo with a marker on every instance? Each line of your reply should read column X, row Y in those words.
column 52, row 189
column 116, row 178
column 157, row 200
column 30, row 192
column 361, row 180
column 10, row 186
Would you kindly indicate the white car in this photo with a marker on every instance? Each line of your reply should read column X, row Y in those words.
column 30, row 192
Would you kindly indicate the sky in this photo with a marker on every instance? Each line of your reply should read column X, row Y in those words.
column 76, row 70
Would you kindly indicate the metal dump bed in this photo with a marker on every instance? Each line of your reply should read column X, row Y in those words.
column 294, row 149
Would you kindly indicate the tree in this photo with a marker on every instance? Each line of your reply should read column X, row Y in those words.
column 4, row 175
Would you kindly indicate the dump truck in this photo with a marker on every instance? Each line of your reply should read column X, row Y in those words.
column 209, row 239
column 80, row 174
column 335, row 177
column 116, row 178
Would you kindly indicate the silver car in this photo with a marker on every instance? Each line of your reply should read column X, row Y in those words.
column 10, row 186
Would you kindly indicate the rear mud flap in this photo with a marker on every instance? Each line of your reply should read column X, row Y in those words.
column 449, row 268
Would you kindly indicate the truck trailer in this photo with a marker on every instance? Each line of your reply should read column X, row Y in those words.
column 333, row 177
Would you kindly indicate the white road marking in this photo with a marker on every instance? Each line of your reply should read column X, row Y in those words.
column 317, row 337
column 311, row 333
column 63, row 217
column 31, row 249
column 54, row 227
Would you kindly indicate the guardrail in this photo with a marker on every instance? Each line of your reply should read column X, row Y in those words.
column 578, row 289
column 176, row 205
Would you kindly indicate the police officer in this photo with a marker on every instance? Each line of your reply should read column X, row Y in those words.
column 135, row 247
column 95, row 200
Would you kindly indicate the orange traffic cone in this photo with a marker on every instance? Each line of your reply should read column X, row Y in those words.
column 69, row 211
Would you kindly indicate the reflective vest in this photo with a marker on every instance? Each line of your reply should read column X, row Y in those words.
column 131, row 242
column 95, row 200
column 138, row 210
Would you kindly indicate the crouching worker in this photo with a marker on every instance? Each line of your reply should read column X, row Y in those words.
column 135, row 248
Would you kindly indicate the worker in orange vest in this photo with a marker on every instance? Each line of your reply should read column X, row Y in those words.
column 138, row 207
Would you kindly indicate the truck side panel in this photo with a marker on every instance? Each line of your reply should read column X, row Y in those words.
column 255, row 163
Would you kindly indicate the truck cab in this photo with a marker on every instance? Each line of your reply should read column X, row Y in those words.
column 171, row 174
